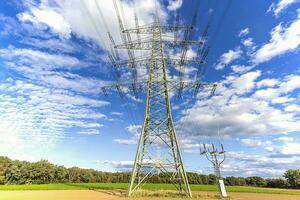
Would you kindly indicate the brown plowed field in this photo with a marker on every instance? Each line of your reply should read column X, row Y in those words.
column 114, row 195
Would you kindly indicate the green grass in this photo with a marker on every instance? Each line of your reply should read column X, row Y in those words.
column 123, row 186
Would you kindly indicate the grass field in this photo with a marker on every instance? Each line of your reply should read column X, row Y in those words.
column 112, row 186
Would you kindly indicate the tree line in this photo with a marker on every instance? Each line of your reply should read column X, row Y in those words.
column 43, row 172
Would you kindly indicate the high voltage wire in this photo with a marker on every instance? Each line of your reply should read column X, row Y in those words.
column 94, row 24
column 98, row 31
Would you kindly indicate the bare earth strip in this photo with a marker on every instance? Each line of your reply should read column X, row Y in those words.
column 108, row 195
column 255, row 196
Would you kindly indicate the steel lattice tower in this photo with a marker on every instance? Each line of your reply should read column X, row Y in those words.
column 158, row 149
column 216, row 155
column 158, row 127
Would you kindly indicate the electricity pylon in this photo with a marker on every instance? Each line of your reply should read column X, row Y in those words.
column 216, row 156
column 158, row 149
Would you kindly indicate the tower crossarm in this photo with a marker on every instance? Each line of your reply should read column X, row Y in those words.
column 150, row 29
column 194, row 86
column 125, row 87
column 147, row 45
column 170, row 61
column 174, row 85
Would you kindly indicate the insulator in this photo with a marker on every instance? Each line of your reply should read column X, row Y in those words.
column 119, row 91
column 197, row 89
column 104, row 91
column 213, row 90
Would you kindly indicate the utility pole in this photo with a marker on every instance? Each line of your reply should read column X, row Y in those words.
column 216, row 156
column 158, row 130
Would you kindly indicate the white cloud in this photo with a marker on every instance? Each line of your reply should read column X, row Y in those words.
column 255, row 143
column 248, row 42
column 82, row 19
column 52, row 44
column 267, row 83
column 31, row 57
column 174, row 4
column 285, row 139
column 245, row 164
column 239, row 107
column 241, row 68
column 49, row 17
column 76, row 100
column 277, row 8
column 124, row 165
column 117, row 113
column 290, row 149
column 34, row 118
column 228, row 57
column 125, row 141
column 282, row 100
column 189, row 145
column 245, row 82
column 274, row 90
column 135, row 130
column 266, row 94
column 294, row 108
column 44, row 68
column 290, row 83
column 90, row 132
column 283, row 39
column 244, row 32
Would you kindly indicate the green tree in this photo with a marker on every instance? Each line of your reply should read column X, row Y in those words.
column 211, row 179
column 293, row 177
column 231, row 180
column 61, row 174
column 5, row 163
column 277, row 183
column 13, row 173
column 255, row 181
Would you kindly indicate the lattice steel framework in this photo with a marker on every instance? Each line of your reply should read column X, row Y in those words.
column 158, row 149
column 216, row 155
column 158, row 127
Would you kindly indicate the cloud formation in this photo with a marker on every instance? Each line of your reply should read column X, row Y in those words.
column 245, row 105
column 244, row 32
column 277, row 8
column 174, row 4
column 283, row 39
column 33, row 116
column 135, row 131
column 49, row 17
column 247, row 164
column 228, row 57
column 82, row 18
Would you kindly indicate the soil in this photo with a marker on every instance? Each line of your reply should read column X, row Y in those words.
column 117, row 195
column 256, row 196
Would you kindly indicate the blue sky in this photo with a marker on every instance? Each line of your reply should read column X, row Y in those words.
column 53, row 64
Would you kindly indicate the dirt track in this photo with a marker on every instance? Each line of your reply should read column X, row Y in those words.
column 107, row 195
column 257, row 196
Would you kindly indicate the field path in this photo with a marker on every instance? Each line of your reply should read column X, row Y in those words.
column 107, row 195
column 256, row 196
column 56, row 195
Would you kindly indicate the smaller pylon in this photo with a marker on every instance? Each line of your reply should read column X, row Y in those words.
column 216, row 155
